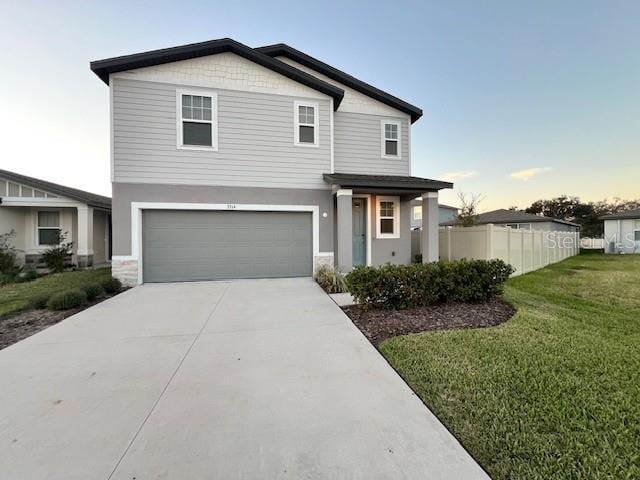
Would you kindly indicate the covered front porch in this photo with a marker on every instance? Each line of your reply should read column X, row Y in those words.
column 372, row 218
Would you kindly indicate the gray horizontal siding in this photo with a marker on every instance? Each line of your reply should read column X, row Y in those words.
column 255, row 141
column 357, row 145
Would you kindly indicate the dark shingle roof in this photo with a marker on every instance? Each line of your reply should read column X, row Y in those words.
column 385, row 181
column 621, row 215
column 263, row 56
column 514, row 216
column 284, row 50
column 102, row 68
column 91, row 199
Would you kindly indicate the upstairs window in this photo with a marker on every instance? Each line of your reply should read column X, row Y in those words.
column 48, row 228
column 306, row 124
column 197, row 120
column 388, row 224
column 390, row 139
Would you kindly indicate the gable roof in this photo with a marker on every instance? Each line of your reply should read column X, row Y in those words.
column 282, row 49
column 514, row 216
column 635, row 213
column 102, row 68
column 89, row 198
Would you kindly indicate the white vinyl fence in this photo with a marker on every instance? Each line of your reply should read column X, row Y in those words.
column 525, row 250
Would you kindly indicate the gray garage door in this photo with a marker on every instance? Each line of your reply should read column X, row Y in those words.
column 204, row 245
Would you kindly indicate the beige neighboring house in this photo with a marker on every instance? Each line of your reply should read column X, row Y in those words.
column 622, row 232
column 38, row 211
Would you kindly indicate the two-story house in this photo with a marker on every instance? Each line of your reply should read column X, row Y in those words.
column 238, row 162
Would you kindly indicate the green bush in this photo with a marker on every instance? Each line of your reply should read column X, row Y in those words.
column 39, row 301
column 330, row 280
column 415, row 285
column 27, row 276
column 56, row 258
column 9, row 268
column 93, row 291
column 66, row 300
column 112, row 285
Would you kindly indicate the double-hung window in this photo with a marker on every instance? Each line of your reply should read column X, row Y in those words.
column 48, row 227
column 390, row 139
column 197, row 120
column 306, row 124
column 636, row 231
column 388, row 223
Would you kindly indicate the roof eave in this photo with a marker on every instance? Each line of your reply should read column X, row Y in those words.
column 282, row 49
column 103, row 68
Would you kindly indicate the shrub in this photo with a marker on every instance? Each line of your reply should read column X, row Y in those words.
column 27, row 276
column 39, row 301
column 66, row 300
column 330, row 279
column 407, row 286
column 112, row 285
column 9, row 268
column 57, row 257
column 93, row 291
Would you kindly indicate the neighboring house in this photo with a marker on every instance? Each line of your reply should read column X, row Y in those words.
column 39, row 211
column 446, row 213
column 521, row 220
column 622, row 232
column 235, row 162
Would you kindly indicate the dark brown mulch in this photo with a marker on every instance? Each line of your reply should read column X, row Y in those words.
column 378, row 325
column 22, row 325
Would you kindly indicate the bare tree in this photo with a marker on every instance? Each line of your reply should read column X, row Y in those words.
column 468, row 208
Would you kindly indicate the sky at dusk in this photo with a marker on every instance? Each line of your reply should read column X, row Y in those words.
column 521, row 100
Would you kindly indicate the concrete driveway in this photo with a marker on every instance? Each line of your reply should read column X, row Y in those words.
column 257, row 379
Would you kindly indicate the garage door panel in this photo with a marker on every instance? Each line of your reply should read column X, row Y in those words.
column 206, row 245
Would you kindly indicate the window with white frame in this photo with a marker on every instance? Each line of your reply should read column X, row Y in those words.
column 388, row 222
column 48, row 227
column 197, row 120
column 306, row 123
column 390, row 139
column 417, row 212
column 519, row 226
column 636, row 230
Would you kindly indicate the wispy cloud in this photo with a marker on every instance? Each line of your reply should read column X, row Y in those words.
column 455, row 176
column 529, row 173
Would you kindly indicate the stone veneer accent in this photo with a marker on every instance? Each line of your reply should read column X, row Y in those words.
column 321, row 260
column 125, row 270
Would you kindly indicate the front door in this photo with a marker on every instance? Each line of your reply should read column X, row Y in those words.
column 359, row 217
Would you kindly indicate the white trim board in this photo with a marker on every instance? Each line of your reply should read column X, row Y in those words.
column 138, row 207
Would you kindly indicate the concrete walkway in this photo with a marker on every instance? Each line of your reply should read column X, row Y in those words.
column 260, row 379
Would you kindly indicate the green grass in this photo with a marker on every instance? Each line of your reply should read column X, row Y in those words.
column 17, row 296
column 555, row 392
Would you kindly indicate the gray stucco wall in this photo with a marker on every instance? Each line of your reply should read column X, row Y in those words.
column 358, row 145
column 392, row 250
column 255, row 140
column 125, row 193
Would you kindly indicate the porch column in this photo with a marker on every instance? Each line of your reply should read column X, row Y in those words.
column 430, row 226
column 84, row 242
column 345, row 229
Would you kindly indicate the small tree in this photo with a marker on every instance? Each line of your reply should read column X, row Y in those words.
column 468, row 215
column 8, row 257
column 56, row 257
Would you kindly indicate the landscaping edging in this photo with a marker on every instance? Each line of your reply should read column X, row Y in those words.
column 379, row 324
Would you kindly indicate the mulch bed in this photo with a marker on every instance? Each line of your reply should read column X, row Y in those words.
column 378, row 324
column 22, row 325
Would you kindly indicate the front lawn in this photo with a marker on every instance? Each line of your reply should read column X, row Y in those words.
column 553, row 393
column 16, row 297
